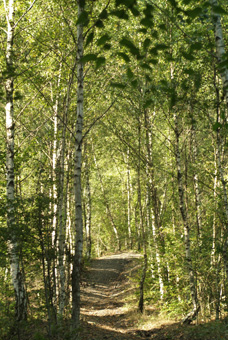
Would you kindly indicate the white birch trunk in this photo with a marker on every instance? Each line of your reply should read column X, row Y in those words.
column 54, row 193
column 16, row 275
column 141, row 224
column 62, row 192
column 220, row 49
column 158, row 260
column 214, row 233
column 155, row 211
column 196, row 187
column 76, row 275
column 87, row 206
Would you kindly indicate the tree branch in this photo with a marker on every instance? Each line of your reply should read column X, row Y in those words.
column 23, row 15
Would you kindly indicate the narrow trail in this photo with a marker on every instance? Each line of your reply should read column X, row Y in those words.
column 104, row 292
column 105, row 315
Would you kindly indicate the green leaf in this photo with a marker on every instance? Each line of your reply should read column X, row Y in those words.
column 88, row 57
column 82, row 3
column 155, row 34
column 89, row 39
column 187, row 2
column 147, row 103
column 99, row 23
column 103, row 14
column 129, row 44
column 189, row 71
column 197, row 81
column 153, row 61
column 130, row 74
column 134, row 11
column 173, row 99
column 162, row 27
column 169, row 57
column 83, row 18
column 216, row 126
column 147, row 22
column 100, row 61
column 124, row 56
column 161, row 47
column 219, row 10
column 153, row 51
column 164, row 83
column 146, row 44
column 196, row 46
column 146, row 66
column 102, row 40
column 117, row 85
column 107, row 47
column 193, row 13
column 148, row 10
column 127, row 3
column 142, row 30
column 223, row 64
column 148, row 78
column 223, row 116
column 121, row 14
column 188, row 56
column 17, row 95
column 173, row 3
column 134, row 83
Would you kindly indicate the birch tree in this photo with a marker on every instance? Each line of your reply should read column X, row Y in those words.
column 76, row 274
column 13, row 246
column 190, row 317
column 221, row 55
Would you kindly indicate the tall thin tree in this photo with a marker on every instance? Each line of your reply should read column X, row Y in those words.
column 16, row 274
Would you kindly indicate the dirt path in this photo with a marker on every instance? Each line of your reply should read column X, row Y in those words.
column 105, row 314
column 104, row 294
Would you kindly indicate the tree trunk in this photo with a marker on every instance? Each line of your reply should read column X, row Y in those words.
column 109, row 213
column 87, row 205
column 220, row 48
column 196, row 185
column 16, row 274
column 141, row 223
column 130, row 240
column 221, row 53
column 76, row 274
column 154, row 200
column 190, row 317
column 63, row 195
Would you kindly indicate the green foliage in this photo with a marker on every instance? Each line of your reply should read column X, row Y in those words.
column 89, row 39
column 103, row 39
column 150, row 64
column 83, row 19
column 130, row 46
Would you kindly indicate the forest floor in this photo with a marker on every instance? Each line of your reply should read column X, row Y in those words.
column 107, row 310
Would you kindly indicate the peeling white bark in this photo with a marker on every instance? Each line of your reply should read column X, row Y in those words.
column 220, row 50
column 16, row 275
column 77, row 180
column 88, row 203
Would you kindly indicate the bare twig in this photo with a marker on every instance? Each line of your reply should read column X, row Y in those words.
column 23, row 15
